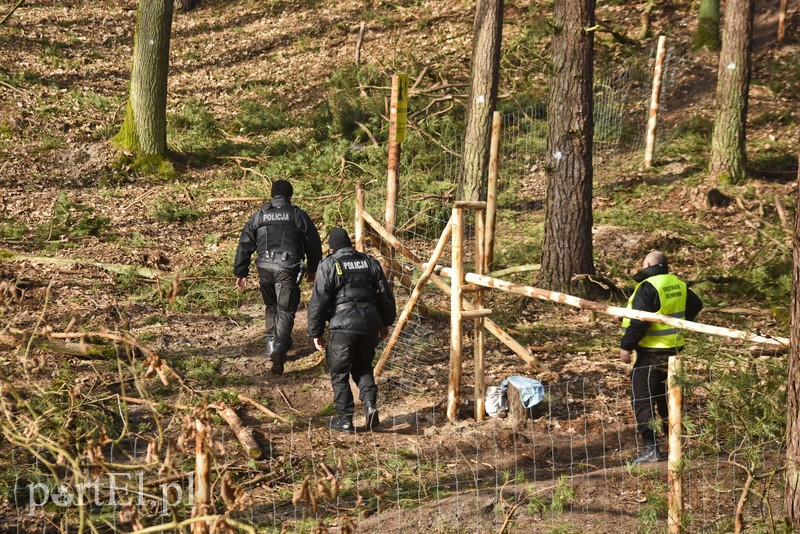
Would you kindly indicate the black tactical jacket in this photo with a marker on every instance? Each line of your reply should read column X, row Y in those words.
column 352, row 293
column 282, row 234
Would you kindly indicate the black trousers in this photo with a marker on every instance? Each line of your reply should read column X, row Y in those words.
column 649, row 392
column 351, row 354
column 281, row 295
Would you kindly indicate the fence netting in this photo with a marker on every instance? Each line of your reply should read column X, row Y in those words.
column 571, row 466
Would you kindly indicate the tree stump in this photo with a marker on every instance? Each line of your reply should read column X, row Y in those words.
column 517, row 411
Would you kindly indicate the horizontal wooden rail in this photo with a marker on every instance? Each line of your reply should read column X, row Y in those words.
column 616, row 311
column 470, row 204
column 475, row 314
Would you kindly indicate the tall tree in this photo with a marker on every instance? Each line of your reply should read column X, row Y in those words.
column 567, row 248
column 793, row 385
column 728, row 157
column 707, row 33
column 482, row 99
column 144, row 130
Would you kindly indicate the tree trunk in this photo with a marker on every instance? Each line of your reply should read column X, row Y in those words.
column 482, row 98
column 567, row 248
column 707, row 32
column 144, row 130
column 793, row 388
column 728, row 157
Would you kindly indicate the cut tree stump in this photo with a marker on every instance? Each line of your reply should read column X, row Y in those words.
column 517, row 411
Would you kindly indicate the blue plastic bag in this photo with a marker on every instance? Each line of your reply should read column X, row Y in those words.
column 531, row 391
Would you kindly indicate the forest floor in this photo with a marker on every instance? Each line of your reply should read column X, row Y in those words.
column 67, row 194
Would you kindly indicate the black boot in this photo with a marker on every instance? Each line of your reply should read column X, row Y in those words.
column 343, row 424
column 277, row 363
column 371, row 411
column 650, row 453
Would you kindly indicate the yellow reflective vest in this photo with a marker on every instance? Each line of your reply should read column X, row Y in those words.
column 672, row 295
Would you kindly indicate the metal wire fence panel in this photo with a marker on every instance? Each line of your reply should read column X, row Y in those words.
column 568, row 468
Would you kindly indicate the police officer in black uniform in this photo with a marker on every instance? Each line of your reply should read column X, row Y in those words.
column 352, row 293
column 283, row 236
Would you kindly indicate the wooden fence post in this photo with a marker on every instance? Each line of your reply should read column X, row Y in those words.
column 456, row 305
column 654, row 102
column 491, row 189
column 479, row 338
column 782, row 21
column 202, row 482
column 360, row 245
column 674, row 465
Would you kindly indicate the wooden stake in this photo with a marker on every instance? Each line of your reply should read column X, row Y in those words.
column 480, row 259
column 456, row 305
column 360, row 40
column 654, row 102
column 412, row 300
column 392, row 177
column 491, row 189
column 202, row 480
column 782, row 21
column 492, row 327
column 360, row 245
column 674, row 467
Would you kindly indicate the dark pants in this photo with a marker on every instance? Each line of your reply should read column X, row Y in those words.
column 281, row 296
column 351, row 354
column 649, row 393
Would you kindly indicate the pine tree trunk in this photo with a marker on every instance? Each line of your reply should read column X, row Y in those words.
column 707, row 32
column 567, row 248
column 144, row 130
column 793, row 388
column 728, row 157
column 482, row 97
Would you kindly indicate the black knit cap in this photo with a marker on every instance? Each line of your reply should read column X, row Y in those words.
column 282, row 188
column 338, row 238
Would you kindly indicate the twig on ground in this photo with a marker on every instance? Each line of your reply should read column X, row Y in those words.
column 286, row 400
column 262, row 408
column 369, row 134
column 8, row 15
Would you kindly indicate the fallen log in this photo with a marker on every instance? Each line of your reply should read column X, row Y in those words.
column 116, row 268
column 89, row 351
column 243, row 433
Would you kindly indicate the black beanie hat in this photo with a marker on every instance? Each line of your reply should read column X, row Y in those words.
column 282, row 188
column 338, row 238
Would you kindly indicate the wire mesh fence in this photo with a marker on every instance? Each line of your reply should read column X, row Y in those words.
column 569, row 469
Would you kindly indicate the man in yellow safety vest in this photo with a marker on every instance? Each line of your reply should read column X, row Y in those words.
column 660, row 292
